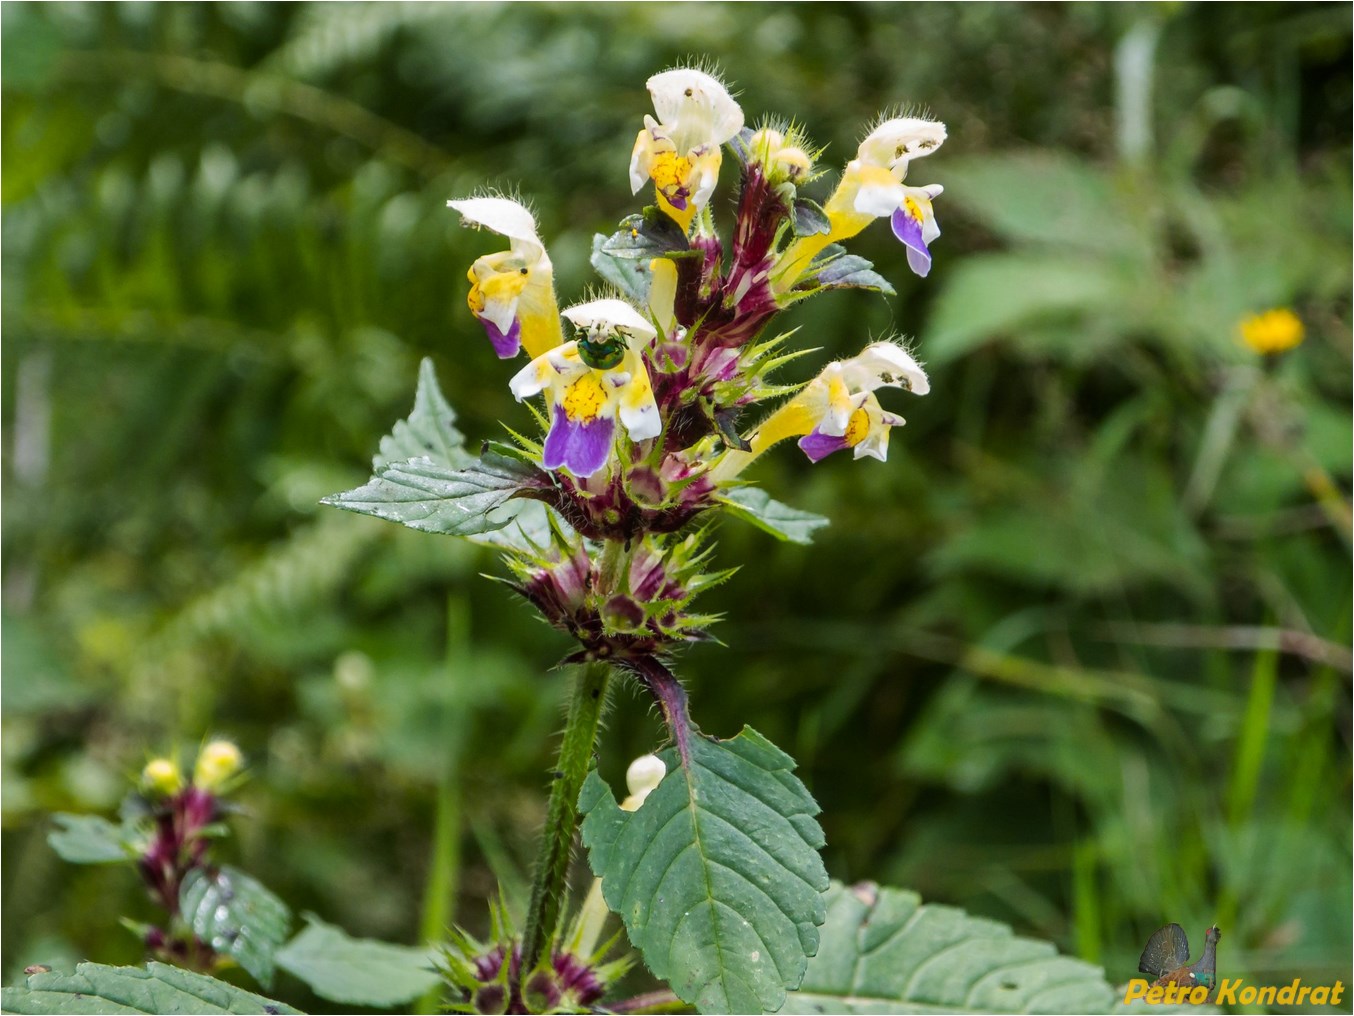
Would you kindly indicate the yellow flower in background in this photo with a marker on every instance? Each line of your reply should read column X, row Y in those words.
column 1272, row 331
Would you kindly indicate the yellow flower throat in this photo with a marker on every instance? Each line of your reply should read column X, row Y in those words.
column 856, row 428
column 583, row 400
column 670, row 171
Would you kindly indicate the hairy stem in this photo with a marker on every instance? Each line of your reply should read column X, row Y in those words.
column 575, row 756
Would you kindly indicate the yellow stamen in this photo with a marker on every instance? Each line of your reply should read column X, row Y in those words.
column 583, row 400
column 857, row 428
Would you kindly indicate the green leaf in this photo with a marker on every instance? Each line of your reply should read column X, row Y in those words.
column 988, row 296
column 237, row 917
column 717, row 876
column 89, row 839
column 1063, row 202
column 428, row 432
column 627, row 274
column 96, row 989
column 435, row 498
column 883, row 951
column 836, row 269
column 809, row 218
column 358, row 971
column 651, row 235
column 752, row 504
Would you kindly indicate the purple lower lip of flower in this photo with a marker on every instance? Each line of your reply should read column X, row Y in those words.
column 677, row 199
column 582, row 448
column 818, row 446
column 908, row 230
column 506, row 344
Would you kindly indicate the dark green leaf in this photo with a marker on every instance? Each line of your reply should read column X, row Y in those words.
column 359, row 971
column 237, row 917
column 884, row 952
column 428, row 432
column 651, row 235
column 850, row 271
column 809, row 218
column 627, row 274
column 717, row 876
column 434, row 498
column 98, row 989
column 89, row 839
column 752, row 504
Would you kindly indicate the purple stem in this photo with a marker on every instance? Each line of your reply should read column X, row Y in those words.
column 671, row 697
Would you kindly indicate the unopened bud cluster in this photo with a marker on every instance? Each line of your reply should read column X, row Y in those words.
column 180, row 815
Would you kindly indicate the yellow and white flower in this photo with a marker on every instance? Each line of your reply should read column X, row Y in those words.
column 512, row 292
column 680, row 150
column 838, row 409
column 872, row 187
column 591, row 381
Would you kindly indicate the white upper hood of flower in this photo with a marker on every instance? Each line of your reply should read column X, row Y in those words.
column 694, row 109
column 896, row 142
column 883, row 365
column 506, row 217
column 610, row 315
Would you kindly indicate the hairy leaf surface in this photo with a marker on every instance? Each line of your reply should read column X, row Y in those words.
column 753, row 504
column 236, row 916
column 89, row 839
column 360, row 971
column 652, row 234
column 429, row 496
column 717, row 876
column 98, row 989
column 426, row 479
column 429, row 431
column 883, row 951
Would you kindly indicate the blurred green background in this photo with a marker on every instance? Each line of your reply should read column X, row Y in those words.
column 1075, row 658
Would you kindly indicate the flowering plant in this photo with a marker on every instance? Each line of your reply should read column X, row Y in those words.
column 603, row 518
column 647, row 396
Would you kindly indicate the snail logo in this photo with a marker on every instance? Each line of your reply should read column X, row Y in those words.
column 1177, row 981
column 1166, row 958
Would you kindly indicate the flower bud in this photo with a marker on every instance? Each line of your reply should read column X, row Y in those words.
column 162, row 777
column 784, row 158
column 217, row 762
column 645, row 773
